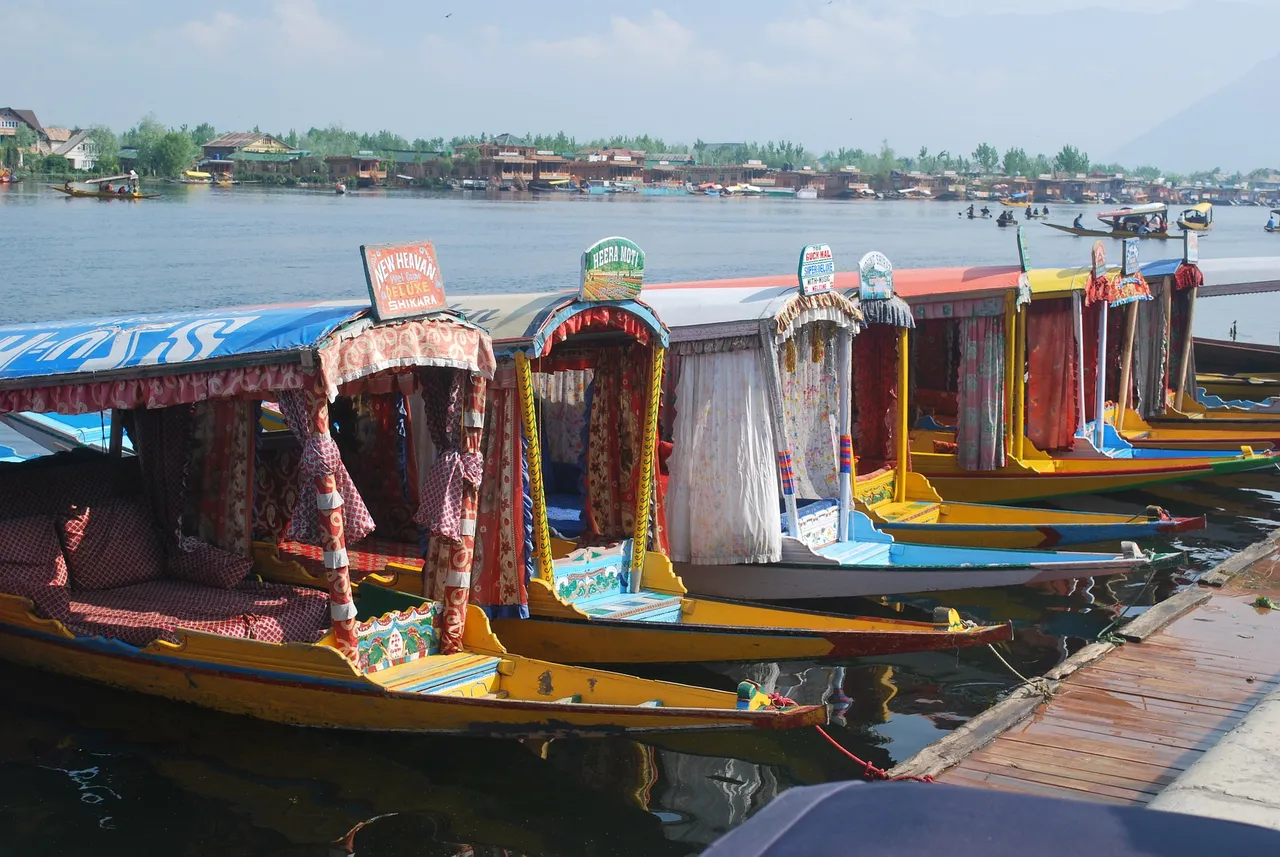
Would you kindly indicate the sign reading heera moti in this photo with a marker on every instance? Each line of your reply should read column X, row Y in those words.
column 612, row 270
column 817, row 270
column 404, row 280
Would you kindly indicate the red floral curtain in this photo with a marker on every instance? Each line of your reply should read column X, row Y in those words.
column 501, row 559
column 615, row 436
column 875, row 394
column 1052, row 417
column 220, row 504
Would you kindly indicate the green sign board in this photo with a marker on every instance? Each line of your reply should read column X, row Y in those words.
column 612, row 270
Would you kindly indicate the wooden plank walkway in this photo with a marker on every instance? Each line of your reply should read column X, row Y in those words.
column 1120, row 729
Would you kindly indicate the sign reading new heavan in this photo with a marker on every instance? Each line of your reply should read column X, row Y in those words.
column 404, row 280
column 817, row 270
column 875, row 277
column 612, row 270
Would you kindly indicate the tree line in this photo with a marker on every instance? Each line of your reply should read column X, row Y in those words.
column 166, row 151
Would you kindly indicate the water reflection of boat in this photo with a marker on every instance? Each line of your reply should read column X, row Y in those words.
column 295, row 787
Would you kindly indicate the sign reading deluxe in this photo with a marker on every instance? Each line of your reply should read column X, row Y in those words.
column 404, row 280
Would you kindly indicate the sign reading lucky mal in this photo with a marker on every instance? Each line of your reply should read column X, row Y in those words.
column 817, row 270
column 404, row 280
column 612, row 270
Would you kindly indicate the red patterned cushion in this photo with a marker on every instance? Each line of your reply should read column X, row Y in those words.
column 112, row 544
column 156, row 610
column 197, row 562
column 32, row 565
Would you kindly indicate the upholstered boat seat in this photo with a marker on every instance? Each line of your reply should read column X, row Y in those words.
column 138, row 614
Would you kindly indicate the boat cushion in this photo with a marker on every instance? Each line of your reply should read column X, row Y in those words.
column 32, row 564
column 111, row 544
column 52, row 484
column 197, row 562
column 565, row 515
column 138, row 614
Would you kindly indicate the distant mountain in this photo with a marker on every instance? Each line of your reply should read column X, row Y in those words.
column 1235, row 128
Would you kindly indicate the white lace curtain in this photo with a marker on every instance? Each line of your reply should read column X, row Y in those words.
column 722, row 496
column 811, row 409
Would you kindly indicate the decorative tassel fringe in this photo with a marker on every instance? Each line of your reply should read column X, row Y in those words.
column 1188, row 276
column 789, row 356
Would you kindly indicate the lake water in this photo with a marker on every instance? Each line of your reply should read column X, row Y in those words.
column 91, row 770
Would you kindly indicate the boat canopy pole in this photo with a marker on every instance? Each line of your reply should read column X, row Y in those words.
column 1010, row 319
column 785, row 474
column 116, row 447
column 1126, row 364
column 1100, row 394
column 1077, row 298
column 1166, row 301
column 533, row 458
column 1187, row 344
column 844, row 378
column 1020, row 381
column 904, row 425
column 645, row 489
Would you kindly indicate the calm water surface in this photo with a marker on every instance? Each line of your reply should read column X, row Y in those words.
column 87, row 769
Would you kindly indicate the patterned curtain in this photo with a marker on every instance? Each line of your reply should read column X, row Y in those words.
column 563, row 414
column 502, row 562
column 275, row 476
column 1051, row 383
column 811, row 408
column 1151, row 353
column 320, row 456
column 220, row 481
column 383, row 464
column 980, row 432
column 875, row 394
column 619, row 394
column 162, row 442
column 1115, row 342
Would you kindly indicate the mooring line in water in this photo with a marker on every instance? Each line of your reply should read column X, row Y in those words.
column 1039, row 684
column 869, row 770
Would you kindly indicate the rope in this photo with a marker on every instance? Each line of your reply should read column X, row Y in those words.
column 1039, row 684
column 869, row 770
column 1104, row 635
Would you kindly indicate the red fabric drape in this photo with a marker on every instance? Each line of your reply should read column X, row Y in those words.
column 616, row 432
column 1051, row 364
column 220, row 475
column 600, row 318
column 383, row 465
column 875, row 373
column 498, row 562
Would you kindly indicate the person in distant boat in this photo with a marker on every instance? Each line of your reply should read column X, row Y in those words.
column 986, row 212
column 123, row 190
column 68, row 185
column 1078, row 223
column 1272, row 223
column 971, row 211
column 1045, row 211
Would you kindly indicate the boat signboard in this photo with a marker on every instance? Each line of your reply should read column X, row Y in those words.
column 875, row 277
column 1129, row 265
column 1098, row 259
column 1190, row 247
column 612, row 270
column 404, row 280
column 817, row 271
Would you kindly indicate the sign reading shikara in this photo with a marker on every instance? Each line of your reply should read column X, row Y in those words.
column 404, row 280
column 612, row 270
column 817, row 270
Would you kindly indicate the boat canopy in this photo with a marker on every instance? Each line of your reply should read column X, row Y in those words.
column 1201, row 207
column 1134, row 211
column 161, row 359
column 532, row 323
column 125, row 177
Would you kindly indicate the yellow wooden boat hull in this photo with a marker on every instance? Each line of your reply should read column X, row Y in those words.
column 1041, row 478
column 708, row 630
column 314, row 685
column 101, row 194
column 925, row 518
column 1008, row 204
column 1204, row 428
column 1238, row 386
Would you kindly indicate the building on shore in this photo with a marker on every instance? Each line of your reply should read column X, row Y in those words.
column 220, row 153
column 12, row 119
column 363, row 169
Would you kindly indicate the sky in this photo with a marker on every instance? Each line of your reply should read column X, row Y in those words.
column 946, row 74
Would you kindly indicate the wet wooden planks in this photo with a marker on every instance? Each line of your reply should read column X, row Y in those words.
column 1121, row 729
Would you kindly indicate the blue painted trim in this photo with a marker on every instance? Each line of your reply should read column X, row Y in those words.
column 569, row 310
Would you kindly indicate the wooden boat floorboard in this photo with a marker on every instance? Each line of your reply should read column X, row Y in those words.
column 1122, row 728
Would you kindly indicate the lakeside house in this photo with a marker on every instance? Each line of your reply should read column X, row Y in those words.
column 363, row 169
column 222, row 152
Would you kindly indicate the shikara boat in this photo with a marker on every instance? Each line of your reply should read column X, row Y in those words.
column 574, row 405
column 1138, row 221
column 135, row 571
column 1242, row 387
column 104, row 188
column 764, row 396
column 1197, row 218
column 1273, row 222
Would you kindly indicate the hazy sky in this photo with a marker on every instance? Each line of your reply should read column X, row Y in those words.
column 827, row 73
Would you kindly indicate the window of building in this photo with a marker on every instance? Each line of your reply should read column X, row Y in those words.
column 8, row 123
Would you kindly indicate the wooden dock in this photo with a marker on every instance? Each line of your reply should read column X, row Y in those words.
column 1117, row 723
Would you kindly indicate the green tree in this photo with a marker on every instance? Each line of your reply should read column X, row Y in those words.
column 1016, row 162
column 1040, row 165
column 145, row 137
column 106, row 148
column 1071, row 160
column 987, row 158
column 203, row 133
column 173, row 153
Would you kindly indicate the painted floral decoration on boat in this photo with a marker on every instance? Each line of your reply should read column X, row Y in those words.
column 398, row 638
